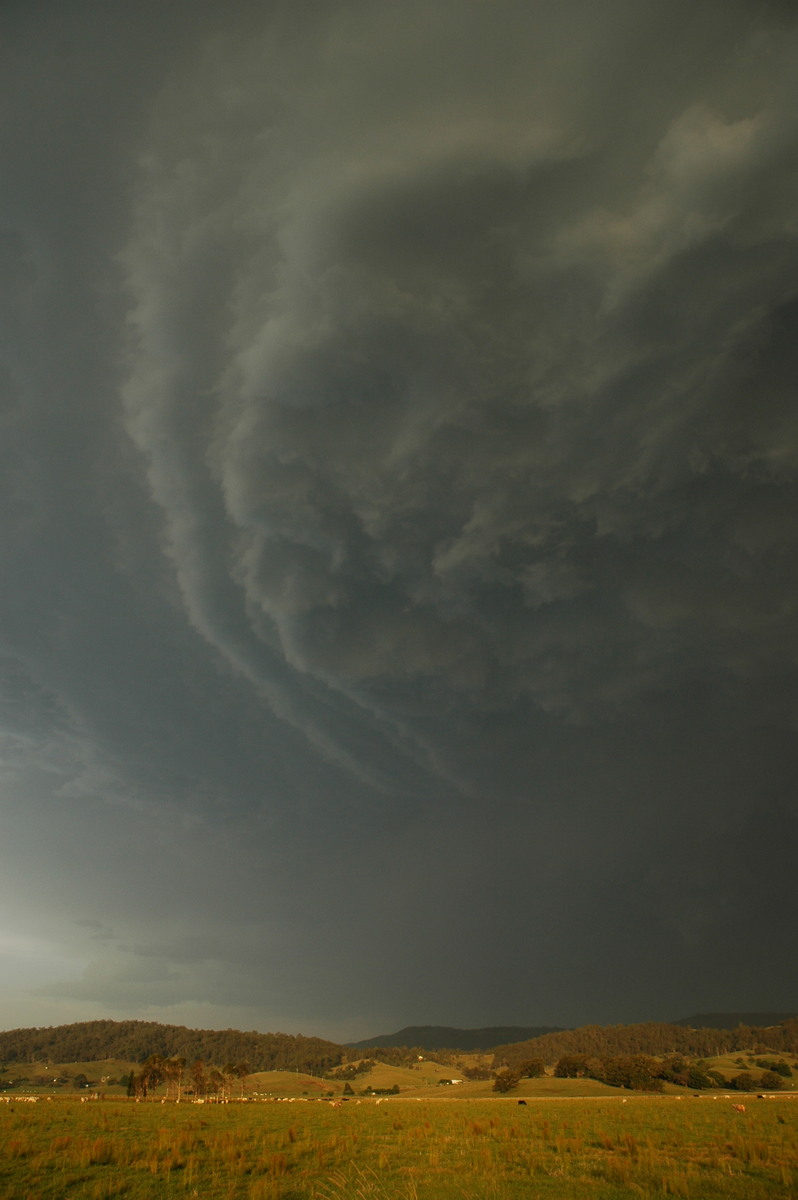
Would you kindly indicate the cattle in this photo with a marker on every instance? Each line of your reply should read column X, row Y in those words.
column 738, row 1107
column 522, row 1102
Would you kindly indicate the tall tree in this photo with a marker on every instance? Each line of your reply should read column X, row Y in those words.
column 173, row 1070
column 198, row 1079
column 229, row 1072
column 241, row 1070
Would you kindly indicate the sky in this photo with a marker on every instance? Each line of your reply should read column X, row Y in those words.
column 398, row 512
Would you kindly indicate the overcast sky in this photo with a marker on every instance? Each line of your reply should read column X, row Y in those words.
column 399, row 512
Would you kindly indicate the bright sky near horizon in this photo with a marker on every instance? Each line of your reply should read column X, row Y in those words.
column 399, row 512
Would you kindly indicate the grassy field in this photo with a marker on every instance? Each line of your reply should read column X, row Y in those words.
column 434, row 1149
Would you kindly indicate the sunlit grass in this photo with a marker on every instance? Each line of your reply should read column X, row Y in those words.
column 409, row 1150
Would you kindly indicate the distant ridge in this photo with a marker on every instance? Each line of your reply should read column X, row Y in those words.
column 762, row 1020
column 443, row 1037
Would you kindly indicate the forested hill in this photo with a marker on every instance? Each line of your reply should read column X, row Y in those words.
column 607, row 1041
column 134, row 1041
column 442, row 1037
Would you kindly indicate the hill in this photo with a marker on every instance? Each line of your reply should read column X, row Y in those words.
column 443, row 1037
column 135, row 1041
column 605, row 1041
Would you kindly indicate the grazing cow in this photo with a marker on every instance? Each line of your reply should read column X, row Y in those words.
column 522, row 1101
column 738, row 1107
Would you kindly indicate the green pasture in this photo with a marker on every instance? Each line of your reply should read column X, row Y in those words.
column 428, row 1149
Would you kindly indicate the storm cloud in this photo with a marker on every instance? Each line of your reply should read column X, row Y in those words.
column 400, row 512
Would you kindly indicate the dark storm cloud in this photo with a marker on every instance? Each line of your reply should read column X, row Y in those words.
column 401, row 488
column 459, row 380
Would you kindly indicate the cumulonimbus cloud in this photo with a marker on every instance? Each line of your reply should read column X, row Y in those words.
column 436, row 405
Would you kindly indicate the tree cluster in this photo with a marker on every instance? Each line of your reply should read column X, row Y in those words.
column 779, row 1067
column 198, row 1079
column 768, row 1081
column 352, row 1070
column 637, row 1072
column 642, row 1072
column 692, row 1075
column 478, row 1072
